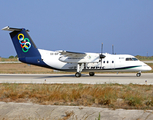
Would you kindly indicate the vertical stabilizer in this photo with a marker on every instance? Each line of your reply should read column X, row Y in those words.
column 26, row 49
column 23, row 44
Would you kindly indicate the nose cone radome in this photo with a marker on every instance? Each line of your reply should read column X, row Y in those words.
column 148, row 68
column 145, row 67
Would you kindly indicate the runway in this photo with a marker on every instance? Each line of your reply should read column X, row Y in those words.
column 146, row 78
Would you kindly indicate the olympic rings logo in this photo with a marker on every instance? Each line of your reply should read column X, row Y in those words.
column 24, row 42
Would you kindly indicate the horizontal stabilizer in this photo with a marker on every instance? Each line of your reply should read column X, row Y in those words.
column 7, row 28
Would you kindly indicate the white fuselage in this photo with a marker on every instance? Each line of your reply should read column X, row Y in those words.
column 92, row 63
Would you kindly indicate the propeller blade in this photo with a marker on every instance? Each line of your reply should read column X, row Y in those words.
column 112, row 49
column 101, row 48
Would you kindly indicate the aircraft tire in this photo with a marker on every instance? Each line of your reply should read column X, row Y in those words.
column 77, row 74
column 91, row 73
column 138, row 74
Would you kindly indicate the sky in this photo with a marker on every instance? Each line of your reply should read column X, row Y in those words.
column 81, row 25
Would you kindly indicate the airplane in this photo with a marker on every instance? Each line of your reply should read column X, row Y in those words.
column 72, row 61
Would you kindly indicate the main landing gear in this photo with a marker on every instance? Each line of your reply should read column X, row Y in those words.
column 80, row 67
column 77, row 74
column 91, row 73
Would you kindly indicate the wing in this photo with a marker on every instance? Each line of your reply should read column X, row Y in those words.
column 72, row 54
column 78, row 57
column 72, row 57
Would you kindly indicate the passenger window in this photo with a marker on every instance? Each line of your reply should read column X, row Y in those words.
column 112, row 61
column 107, row 61
column 103, row 61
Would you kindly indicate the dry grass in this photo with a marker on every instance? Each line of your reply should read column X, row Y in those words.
column 22, row 68
column 8, row 59
column 107, row 95
column 144, row 58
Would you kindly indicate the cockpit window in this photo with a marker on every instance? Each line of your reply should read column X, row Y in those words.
column 131, row 59
column 134, row 59
column 128, row 59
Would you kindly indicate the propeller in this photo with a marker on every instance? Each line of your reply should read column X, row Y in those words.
column 101, row 56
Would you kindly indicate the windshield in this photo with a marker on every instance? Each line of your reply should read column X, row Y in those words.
column 134, row 59
column 131, row 59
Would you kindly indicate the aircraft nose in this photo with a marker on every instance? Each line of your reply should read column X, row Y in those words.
column 146, row 67
column 150, row 68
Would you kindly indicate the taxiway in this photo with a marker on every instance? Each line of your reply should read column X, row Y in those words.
column 146, row 78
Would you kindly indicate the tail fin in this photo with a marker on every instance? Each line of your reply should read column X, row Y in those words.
column 23, row 44
column 26, row 49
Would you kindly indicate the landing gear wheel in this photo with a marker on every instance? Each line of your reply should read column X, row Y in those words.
column 91, row 73
column 138, row 74
column 77, row 74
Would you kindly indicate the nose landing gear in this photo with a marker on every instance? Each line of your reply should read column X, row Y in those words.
column 138, row 74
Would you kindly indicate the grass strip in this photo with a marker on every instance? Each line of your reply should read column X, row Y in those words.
column 100, row 95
